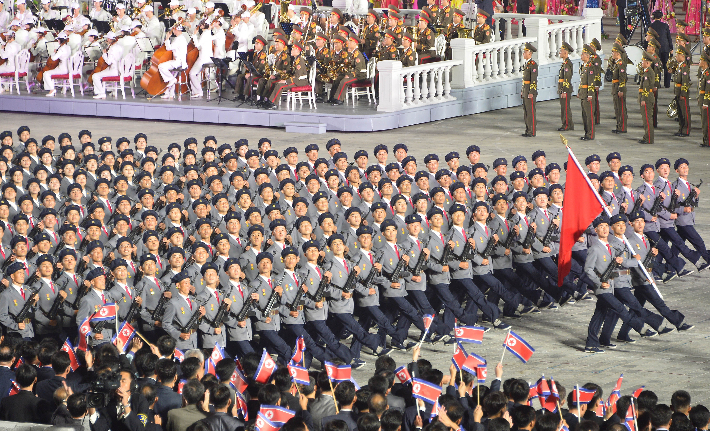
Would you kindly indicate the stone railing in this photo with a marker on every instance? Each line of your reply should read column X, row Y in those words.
column 410, row 87
column 488, row 62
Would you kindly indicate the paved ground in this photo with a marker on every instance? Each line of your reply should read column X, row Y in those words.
column 662, row 364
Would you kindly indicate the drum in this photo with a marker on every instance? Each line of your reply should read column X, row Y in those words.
column 635, row 55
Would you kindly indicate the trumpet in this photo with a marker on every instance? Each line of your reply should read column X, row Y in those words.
column 672, row 110
column 168, row 13
column 137, row 11
column 283, row 13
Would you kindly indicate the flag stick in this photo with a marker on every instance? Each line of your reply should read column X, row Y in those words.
column 423, row 337
column 143, row 338
column 332, row 391
column 633, row 411
column 579, row 412
column 417, row 406
column 559, row 409
column 478, row 391
column 505, row 346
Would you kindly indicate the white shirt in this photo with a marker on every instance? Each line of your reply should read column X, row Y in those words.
column 178, row 46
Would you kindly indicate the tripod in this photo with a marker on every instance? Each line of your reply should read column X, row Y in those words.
column 221, row 64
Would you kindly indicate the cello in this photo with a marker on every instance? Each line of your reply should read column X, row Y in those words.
column 51, row 63
column 101, row 65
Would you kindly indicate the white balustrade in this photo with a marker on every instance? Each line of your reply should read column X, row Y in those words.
column 409, row 87
column 488, row 62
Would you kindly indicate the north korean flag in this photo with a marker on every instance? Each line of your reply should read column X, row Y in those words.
column 67, row 347
column 403, row 375
column 209, row 367
column 84, row 330
column 550, row 402
column 298, row 350
column 428, row 318
column 264, row 424
column 469, row 334
column 179, row 355
column 533, row 394
column 629, row 420
column 181, row 383
column 519, row 347
column 276, row 414
column 107, row 312
column 542, row 388
column 14, row 388
column 459, row 357
column 299, row 374
column 338, row 373
column 217, row 353
column 242, row 406
column 582, row 395
column 425, row 391
column 638, row 391
column 19, row 362
column 481, row 374
column 615, row 395
column 266, row 368
column 472, row 362
column 125, row 334
column 435, row 410
column 238, row 381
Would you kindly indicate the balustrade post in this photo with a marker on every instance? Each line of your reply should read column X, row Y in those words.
column 417, row 89
column 595, row 28
column 538, row 29
column 391, row 88
column 464, row 75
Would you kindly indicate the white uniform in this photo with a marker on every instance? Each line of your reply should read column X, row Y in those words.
column 123, row 22
column 5, row 19
column 154, row 31
column 24, row 16
column 92, row 51
column 142, row 45
column 204, row 43
column 219, row 40
column 112, row 57
column 79, row 22
column 100, row 15
column 47, row 15
column 178, row 45
column 244, row 34
column 9, row 52
column 63, row 54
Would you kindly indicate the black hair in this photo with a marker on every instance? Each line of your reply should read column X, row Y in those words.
column 296, row 424
column 250, row 362
column 166, row 370
column 220, row 396
column 270, row 395
column 391, row 420
column 454, row 411
column 519, row 391
column 225, row 369
column 700, row 416
column 498, row 424
column 60, row 362
column 6, row 353
column 385, row 363
column 589, row 425
column 378, row 385
column 647, row 400
column 522, row 416
column 190, row 366
column 368, row 422
column 25, row 375
column 494, row 402
column 149, row 393
column 547, row 422
column 681, row 423
column 77, row 405
column 282, row 379
column 145, row 364
column 193, row 391
column 344, row 393
column 166, row 345
column 363, row 399
column 378, row 404
column 661, row 415
column 680, row 400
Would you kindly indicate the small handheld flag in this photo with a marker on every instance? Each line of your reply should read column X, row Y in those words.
column 473, row 361
column 638, row 391
column 481, row 374
column 630, row 420
column 299, row 374
column 338, row 373
column 264, row 424
column 403, row 375
column 125, row 334
column 298, row 350
column 67, row 347
column 179, row 355
column 277, row 415
column 106, row 312
column 242, row 406
column 238, row 381
column 210, row 367
column 469, row 334
column 582, row 395
column 425, row 391
column 217, row 353
column 266, row 367
column 615, row 395
column 518, row 347
column 459, row 357
column 84, row 330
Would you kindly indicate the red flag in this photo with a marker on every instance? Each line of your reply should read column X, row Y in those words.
column 238, row 381
column 217, row 353
column 459, row 357
column 179, row 355
column 125, row 334
column 298, row 350
column 84, row 330
column 299, row 374
column 14, row 388
column 582, row 395
column 267, row 366
column 276, row 414
column 638, row 391
column 629, row 420
column 209, row 367
column 519, row 347
column 425, row 391
column 403, row 375
column 181, row 383
column 67, row 347
column 242, row 406
column 338, row 373
column 428, row 318
column 581, row 208
column 472, row 362
column 469, row 334
column 615, row 395
column 264, row 424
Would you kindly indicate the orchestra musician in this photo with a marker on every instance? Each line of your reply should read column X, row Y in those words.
column 393, row 25
column 445, row 15
column 98, row 13
column 202, row 38
column 8, row 53
column 409, row 55
column 62, row 55
column 77, row 22
column 178, row 45
column 151, row 26
column 244, row 31
column 482, row 32
column 356, row 67
column 371, row 33
column 338, row 59
column 452, row 31
column 46, row 13
column 22, row 14
column 121, row 18
column 323, row 57
column 245, row 79
column 92, row 48
column 5, row 17
column 425, row 38
column 298, row 76
column 112, row 56
column 278, row 71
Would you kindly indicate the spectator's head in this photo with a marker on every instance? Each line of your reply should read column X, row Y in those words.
column 250, row 362
column 27, row 350
column 436, row 426
column 519, row 391
column 282, row 379
column 345, row 394
column 680, row 422
column 646, row 401
column 466, row 376
column 60, row 396
column 297, row 424
column 270, row 395
column 433, row 376
column 166, row 346
column 193, row 391
column 548, row 422
column 166, row 371
column 523, row 417
column 424, row 366
column 209, row 381
column 336, row 425
column 378, row 404
column 7, row 356
column 308, row 390
column 700, row 417
column 378, row 385
column 323, row 382
column 225, row 369
column 588, row 425
column 391, row 420
column 368, row 422
column 195, row 353
column 598, row 394
column 221, row 398
column 622, row 405
column 385, row 363
column 47, row 348
column 615, row 427
column 454, row 411
column 362, row 400
column 386, row 375
column 494, row 404
column 190, row 368
column 77, row 405
column 661, row 416
column 498, row 424
column 149, row 394
column 145, row 364
column 680, row 401
column 26, row 376
column 61, row 364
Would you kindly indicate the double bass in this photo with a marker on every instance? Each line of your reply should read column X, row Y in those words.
column 51, row 63
column 151, row 81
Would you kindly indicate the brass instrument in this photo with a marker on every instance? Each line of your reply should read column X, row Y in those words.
column 137, row 11
column 255, row 8
column 465, row 33
column 283, row 13
column 168, row 13
column 672, row 110
column 270, row 61
column 671, row 65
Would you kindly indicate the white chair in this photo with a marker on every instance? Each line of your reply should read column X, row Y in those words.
column 67, row 80
column 126, row 68
column 364, row 87
column 22, row 65
column 304, row 92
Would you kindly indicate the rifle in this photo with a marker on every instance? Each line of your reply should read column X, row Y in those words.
column 22, row 315
column 159, row 311
column 650, row 257
column 318, row 296
column 610, row 271
column 490, row 247
column 690, row 200
column 396, row 273
column 7, row 263
column 194, row 319
column 419, row 266
column 321, row 259
column 637, row 203
column 54, row 309
column 547, row 239
column 83, row 290
column 529, row 237
column 297, row 302
column 511, row 233
column 272, row 299
column 349, row 282
column 673, row 205
column 222, row 312
column 135, row 308
column 448, row 250
column 656, row 207
column 246, row 309
column 59, row 248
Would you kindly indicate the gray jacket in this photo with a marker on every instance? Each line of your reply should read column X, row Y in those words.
column 390, row 259
column 179, row 312
column 234, row 331
column 313, row 279
column 151, row 294
column 11, row 303
column 434, row 266
column 598, row 259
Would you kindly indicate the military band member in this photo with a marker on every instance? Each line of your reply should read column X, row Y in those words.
column 278, row 71
column 409, row 56
column 654, row 48
column 564, row 87
column 529, row 90
column 371, row 33
column 586, row 92
column 298, row 76
column 356, row 67
column 393, row 23
column 598, row 70
column 618, row 87
column 444, row 16
column 704, row 96
column 646, row 97
column 452, row 30
column 681, row 81
column 424, row 39
column 482, row 32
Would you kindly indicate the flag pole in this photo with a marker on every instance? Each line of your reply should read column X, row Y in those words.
column 505, row 346
column 633, row 411
column 579, row 412
column 478, row 391
column 332, row 391
column 608, row 213
column 559, row 409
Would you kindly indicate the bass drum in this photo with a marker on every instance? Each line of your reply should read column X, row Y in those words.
column 635, row 55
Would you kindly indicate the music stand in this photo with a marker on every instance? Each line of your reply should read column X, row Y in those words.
column 102, row 27
column 244, row 57
column 221, row 64
column 287, row 27
column 54, row 24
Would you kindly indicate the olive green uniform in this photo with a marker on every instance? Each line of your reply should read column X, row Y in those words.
column 564, row 86
column 529, row 88
column 646, row 86
column 618, row 85
column 681, row 89
column 586, row 93
column 704, row 102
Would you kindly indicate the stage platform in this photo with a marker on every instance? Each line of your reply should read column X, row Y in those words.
column 363, row 117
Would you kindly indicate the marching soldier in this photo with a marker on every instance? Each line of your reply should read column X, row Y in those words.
column 646, row 98
column 586, row 92
column 564, row 87
column 482, row 32
column 654, row 47
column 618, row 87
column 704, row 96
column 424, row 39
column 681, row 80
column 12, row 301
column 529, row 90
column 179, row 313
column 96, row 298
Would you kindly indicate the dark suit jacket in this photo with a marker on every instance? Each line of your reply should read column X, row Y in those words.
column 45, row 389
column 167, row 400
column 321, row 407
column 220, row 421
column 6, row 374
column 348, row 416
column 664, row 35
column 108, row 417
column 25, row 407
column 44, row 373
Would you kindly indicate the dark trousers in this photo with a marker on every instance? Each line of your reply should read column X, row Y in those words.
column 691, row 235
column 597, row 119
column 678, row 245
column 663, row 56
column 237, row 349
column 420, row 301
column 620, row 109
column 626, row 297
column 588, row 116
column 452, row 308
column 705, row 126
column 496, row 290
column 273, row 343
column 313, row 350
column 683, row 114
column 373, row 314
column 319, row 328
column 467, row 287
column 648, row 293
column 529, row 115
column 512, row 282
column 407, row 315
column 528, row 270
column 350, row 324
column 672, row 260
column 547, row 266
column 608, row 302
column 655, row 108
